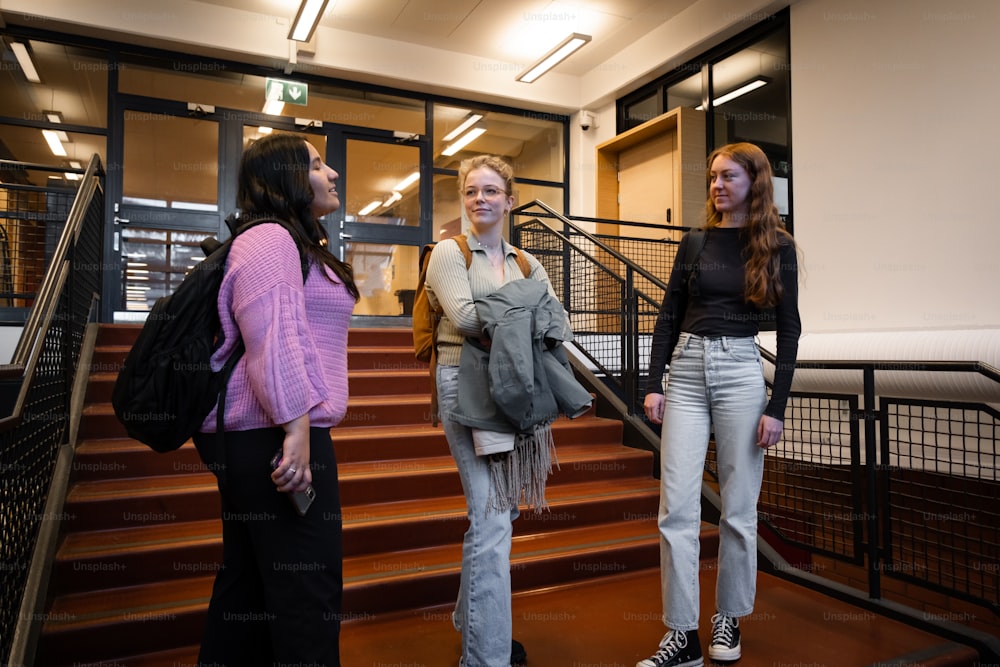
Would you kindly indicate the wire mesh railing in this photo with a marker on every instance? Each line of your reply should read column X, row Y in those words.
column 610, row 284
column 35, row 418
column 900, row 488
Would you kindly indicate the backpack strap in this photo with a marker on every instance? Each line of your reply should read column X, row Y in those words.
column 463, row 243
column 522, row 262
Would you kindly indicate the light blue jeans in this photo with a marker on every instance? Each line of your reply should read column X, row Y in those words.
column 714, row 384
column 483, row 609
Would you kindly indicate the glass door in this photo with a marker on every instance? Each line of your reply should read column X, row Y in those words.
column 381, row 225
column 166, row 200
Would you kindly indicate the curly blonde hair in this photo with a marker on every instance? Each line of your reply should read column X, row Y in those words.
column 495, row 163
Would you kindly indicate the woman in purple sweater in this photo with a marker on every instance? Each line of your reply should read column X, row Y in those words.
column 277, row 596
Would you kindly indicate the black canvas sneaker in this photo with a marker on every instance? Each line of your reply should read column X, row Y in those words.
column 677, row 649
column 725, row 644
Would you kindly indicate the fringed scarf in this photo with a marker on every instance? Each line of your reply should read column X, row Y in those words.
column 519, row 476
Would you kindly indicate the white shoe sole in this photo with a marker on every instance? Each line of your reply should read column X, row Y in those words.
column 725, row 654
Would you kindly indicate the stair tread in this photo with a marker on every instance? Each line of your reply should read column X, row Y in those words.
column 152, row 485
column 567, row 455
column 97, row 543
column 378, row 372
column 445, row 506
column 162, row 599
column 566, row 542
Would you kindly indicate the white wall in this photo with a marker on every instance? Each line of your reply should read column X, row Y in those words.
column 895, row 154
column 896, row 163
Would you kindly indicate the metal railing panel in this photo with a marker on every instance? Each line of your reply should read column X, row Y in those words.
column 905, row 489
column 36, row 425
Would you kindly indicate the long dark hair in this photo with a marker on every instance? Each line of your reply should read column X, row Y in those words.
column 764, row 229
column 274, row 183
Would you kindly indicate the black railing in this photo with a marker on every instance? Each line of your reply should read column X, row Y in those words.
column 901, row 488
column 611, row 285
column 35, row 417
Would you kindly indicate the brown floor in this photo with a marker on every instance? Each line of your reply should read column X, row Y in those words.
column 615, row 622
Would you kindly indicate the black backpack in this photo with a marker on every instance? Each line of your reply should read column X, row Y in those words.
column 166, row 386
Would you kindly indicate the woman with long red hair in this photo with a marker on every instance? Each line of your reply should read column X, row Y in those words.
column 746, row 273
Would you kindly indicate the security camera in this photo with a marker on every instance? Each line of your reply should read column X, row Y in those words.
column 587, row 120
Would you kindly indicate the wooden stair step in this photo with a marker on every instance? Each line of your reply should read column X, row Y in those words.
column 386, row 582
column 403, row 441
column 102, row 459
column 369, row 382
column 82, row 627
column 425, row 577
column 425, row 477
column 136, row 501
column 101, row 559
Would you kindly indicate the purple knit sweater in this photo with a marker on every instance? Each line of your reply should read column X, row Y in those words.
column 295, row 335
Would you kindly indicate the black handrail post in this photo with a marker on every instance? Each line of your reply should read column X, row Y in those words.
column 870, row 414
column 628, row 342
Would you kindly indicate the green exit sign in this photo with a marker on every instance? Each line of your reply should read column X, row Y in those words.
column 290, row 92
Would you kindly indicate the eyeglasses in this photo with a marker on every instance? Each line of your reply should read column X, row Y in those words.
column 489, row 192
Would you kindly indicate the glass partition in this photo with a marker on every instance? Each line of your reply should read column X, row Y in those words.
column 222, row 87
column 386, row 275
column 531, row 142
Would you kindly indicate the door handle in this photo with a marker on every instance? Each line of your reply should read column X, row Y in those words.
column 344, row 236
column 120, row 221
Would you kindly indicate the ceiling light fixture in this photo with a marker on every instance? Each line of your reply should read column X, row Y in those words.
column 465, row 139
column 52, row 138
column 23, row 56
column 554, row 57
column 753, row 84
column 407, row 182
column 469, row 121
column 392, row 199
column 306, row 20
column 56, row 117
column 371, row 207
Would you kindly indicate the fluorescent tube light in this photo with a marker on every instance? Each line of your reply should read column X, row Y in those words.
column 23, row 56
column 751, row 85
column 52, row 138
column 306, row 20
column 371, row 207
column 407, row 182
column 392, row 199
column 554, row 57
column 469, row 121
column 464, row 140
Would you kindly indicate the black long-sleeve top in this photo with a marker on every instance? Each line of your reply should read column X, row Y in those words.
column 719, row 308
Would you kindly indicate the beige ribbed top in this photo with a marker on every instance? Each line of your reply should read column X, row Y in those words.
column 455, row 289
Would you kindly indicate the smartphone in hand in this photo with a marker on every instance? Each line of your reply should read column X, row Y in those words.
column 301, row 500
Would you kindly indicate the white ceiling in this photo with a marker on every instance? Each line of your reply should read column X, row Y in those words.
column 512, row 31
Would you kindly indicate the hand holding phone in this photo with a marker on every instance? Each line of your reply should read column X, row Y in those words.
column 301, row 500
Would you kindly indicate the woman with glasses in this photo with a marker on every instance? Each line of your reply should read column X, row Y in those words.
column 483, row 608
column 746, row 273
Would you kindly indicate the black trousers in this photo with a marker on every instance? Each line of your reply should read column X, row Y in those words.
column 277, row 597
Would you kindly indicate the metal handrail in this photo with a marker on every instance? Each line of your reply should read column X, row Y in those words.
column 550, row 212
column 48, row 292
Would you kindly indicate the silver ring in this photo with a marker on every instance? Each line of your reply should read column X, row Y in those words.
column 292, row 469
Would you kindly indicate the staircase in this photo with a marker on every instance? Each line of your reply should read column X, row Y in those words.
column 142, row 538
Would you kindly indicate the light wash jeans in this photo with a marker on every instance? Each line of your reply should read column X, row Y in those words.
column 714, row 384
column 483, row 609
